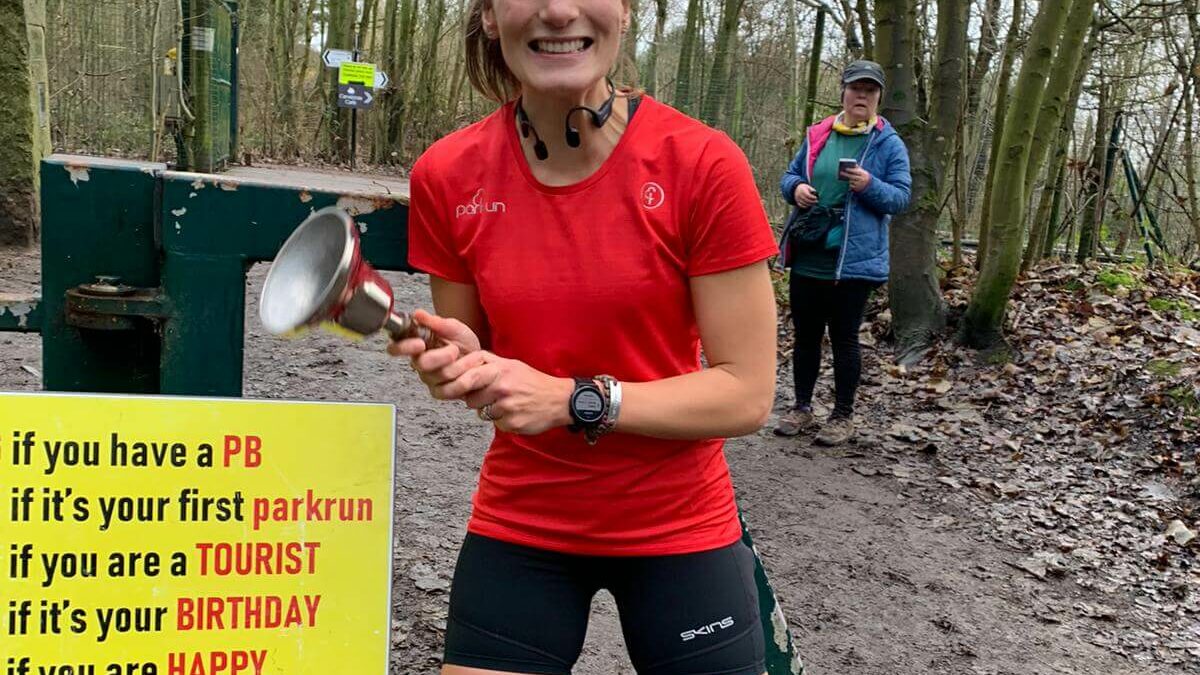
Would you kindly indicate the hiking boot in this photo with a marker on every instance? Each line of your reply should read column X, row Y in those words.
column 836, row 431
column 797, row 420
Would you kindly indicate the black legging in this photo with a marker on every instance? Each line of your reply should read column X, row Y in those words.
column 816, row 304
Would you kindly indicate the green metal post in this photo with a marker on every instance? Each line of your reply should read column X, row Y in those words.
column 235, row 38
column 782, row 656
column 202, row 341
column 98, row 218
column 213, row 228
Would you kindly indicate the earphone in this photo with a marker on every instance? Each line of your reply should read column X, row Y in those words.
column 539, row 148
column 599, row 118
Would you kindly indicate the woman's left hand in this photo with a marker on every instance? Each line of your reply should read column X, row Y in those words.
column 518, row 398
column 858, row 178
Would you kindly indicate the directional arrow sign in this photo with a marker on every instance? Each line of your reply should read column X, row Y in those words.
column 336, row 57
column 381, row 79
column 355, row 96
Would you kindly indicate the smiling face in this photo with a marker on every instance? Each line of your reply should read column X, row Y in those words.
column 559, row 48
column 861, row 100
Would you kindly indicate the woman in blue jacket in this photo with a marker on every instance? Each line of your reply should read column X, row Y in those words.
column 836, row 242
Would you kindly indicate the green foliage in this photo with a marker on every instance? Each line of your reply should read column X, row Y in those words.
column 1185, row 397
column 998, row 356
column 1112, row 279
column 1172, row 305
column 1164, row 368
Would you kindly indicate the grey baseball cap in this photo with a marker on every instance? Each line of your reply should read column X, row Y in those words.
column 857, row 71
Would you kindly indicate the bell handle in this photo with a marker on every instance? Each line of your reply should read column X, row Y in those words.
column 400, row 325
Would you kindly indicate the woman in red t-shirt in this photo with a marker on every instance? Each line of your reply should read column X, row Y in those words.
column 583, row 244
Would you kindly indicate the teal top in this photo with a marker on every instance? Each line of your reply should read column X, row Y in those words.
column 821, row 263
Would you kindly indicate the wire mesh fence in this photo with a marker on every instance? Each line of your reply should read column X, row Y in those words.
column 117, row 69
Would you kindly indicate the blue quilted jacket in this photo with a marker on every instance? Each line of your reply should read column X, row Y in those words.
column 864, row 251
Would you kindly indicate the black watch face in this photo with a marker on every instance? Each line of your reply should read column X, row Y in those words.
column 588, row 405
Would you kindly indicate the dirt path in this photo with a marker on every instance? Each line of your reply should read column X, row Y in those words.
column 875, row 578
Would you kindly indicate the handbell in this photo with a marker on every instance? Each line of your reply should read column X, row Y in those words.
column 319, row 277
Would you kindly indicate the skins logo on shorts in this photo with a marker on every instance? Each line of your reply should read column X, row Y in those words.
column 477, row 206
column 707, row 630
column 652, row 196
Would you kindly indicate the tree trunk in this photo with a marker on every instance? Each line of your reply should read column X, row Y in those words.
column 630, row 40
column 814, row 70
column 337, row 120
column 1058, row 88
column 853, row 44
column 1093, row 203
column 864, row 24
column 985, row 314
column 793, row 97
column 739, row 107
column 959, row 215
column 24, row 129
column 1041, row 237
column 983, row 57
column 427, row 78
column 914, row 294
column 718, row 81
column 660, row 23
column 402, row 93
column 1189, row 159
column 200, row 100
column 1001, row 106
column 687, row 50
column 388, row 101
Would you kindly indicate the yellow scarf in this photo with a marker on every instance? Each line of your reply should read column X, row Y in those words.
column 856, row 130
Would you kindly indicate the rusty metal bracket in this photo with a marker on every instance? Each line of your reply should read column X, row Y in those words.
column 107, row 304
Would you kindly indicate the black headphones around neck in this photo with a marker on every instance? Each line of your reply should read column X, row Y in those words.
column 599, row 118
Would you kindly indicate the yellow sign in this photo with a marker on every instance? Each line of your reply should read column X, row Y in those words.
column 350, row 72
column 183, row 536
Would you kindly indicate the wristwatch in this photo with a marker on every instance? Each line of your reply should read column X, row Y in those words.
column 587, row 405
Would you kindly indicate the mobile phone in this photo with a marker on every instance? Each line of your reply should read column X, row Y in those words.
column 845, row 164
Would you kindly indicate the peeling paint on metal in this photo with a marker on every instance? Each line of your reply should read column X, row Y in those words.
column 78, row 173
column 357, row 206
column 305, row 196
column 191, row 195
column 779, row 626
column 178, row 227
column 21, row 311
column 198, row 184
column 362, row 228
column 179, row 212
column 227, row 186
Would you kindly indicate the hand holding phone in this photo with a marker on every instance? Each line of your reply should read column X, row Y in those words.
column 844, row 165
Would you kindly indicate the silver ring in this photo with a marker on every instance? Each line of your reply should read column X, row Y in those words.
column 485, row 413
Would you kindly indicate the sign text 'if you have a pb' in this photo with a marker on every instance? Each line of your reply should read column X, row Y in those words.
column 182, row 536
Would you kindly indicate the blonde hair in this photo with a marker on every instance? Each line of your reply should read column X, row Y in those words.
column 489, row 73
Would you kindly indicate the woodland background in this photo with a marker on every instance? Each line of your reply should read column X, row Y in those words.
column 1056, row 128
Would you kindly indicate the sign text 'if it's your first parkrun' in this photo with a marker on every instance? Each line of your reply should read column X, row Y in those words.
column 181, row 536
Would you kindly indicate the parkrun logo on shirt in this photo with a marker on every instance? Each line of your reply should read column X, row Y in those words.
column 707, row 630
column 477, row 206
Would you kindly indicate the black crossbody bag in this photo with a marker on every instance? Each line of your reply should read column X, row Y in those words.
column 810, row 226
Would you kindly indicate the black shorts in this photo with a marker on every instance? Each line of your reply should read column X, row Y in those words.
column 521, row 609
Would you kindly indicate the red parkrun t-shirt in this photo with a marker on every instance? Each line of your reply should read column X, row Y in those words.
column 591, row 279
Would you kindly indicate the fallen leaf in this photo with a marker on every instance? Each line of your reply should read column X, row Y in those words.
column 1180, row 532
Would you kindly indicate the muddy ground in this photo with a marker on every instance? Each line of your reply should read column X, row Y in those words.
column 875, row 576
